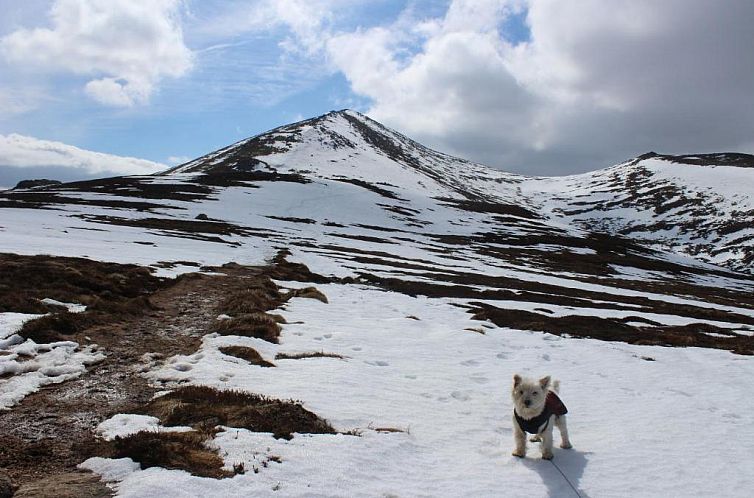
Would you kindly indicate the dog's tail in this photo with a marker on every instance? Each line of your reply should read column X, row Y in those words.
column 556, row 386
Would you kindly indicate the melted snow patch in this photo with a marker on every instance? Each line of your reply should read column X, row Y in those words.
column 25, row 366
column 125, row 424
column 10, row 323
column 72, row 307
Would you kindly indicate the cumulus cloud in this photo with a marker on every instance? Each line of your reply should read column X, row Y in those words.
column 126, row 47
column 595, row 83
column 21, row 151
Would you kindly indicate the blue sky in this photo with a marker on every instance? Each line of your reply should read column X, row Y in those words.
column 529, row 86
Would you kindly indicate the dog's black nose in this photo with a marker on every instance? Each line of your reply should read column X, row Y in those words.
column 527, row 403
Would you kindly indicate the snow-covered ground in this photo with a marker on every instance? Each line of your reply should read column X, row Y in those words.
column 29, row 366
column 645, row 421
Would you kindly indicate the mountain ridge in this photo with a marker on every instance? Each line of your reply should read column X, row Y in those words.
column 710, row 226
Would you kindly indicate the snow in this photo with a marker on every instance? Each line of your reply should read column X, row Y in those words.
column 639, row 422
column 122, row 425
column 35, row 365
column 29, row 365
column 72, row 307
column 10, row 323
column 716, row 195
column 440, row 383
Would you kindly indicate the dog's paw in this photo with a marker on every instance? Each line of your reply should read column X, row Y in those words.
column 535, row 439
column 546, row 455
column 566, row 446
column 519, row 454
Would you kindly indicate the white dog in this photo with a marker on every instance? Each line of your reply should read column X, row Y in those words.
column 536, row 408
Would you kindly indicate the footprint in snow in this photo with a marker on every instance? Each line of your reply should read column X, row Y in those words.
column 470, row 363
column 327, row 336
column 356, row 348
column 378, row 363
column 460, row 396
column 182, row 367
column 480, row 379
column 546, row 357
column 502, row 356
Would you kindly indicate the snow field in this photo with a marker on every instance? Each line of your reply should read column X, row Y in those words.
column 675, row 426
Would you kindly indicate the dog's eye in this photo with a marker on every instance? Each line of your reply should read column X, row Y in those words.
column 521, row 393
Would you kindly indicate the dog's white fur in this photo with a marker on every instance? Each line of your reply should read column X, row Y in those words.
column 529, row 401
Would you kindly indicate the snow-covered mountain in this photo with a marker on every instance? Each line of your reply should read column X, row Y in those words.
column 443, row 278
column 349, row 145
column 698, row 205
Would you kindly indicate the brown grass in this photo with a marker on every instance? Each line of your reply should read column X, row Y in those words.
column 314, row 354
column 307, row 292
column 172, row 450
column 612, row 329
column 112, row 292
column 259, row 325
column 262, row 297
column 25, row 280
column 205, row 407
column 283, row 269
column 249, row 354
column 247, row 307
column 50, row 328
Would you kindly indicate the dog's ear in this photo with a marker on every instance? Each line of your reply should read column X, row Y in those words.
column 516, row 380
column 544, row 382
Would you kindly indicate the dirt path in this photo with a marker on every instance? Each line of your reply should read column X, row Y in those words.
column 51, row 431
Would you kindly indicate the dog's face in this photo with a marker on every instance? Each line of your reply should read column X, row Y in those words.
column 529, row 395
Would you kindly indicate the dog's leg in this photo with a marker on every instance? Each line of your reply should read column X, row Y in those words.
column 535, row 439
column 519, row 437
column 560, row 422
column 547, row 442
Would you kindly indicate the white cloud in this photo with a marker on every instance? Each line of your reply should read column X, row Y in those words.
column 596, row 83
column 22, row 151
column 125, row 46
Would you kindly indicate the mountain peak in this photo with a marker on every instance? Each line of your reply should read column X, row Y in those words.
column 348, row 144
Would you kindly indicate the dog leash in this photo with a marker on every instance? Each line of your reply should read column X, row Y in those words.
column 575, row 490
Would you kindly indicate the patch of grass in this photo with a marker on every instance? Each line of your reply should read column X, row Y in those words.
column 111, row 292
column 172, row 450
column 307, row 292
column 314, row 354
column 612, row 329
column 263, row 296
column 205, row 407
column 245, row 353
column 259, row 325
column 25, row 280
column 50, row 328
column 283, row 269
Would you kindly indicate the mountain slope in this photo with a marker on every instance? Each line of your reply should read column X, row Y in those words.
column 697, row 205
column 346, row 144
column 442, row 278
